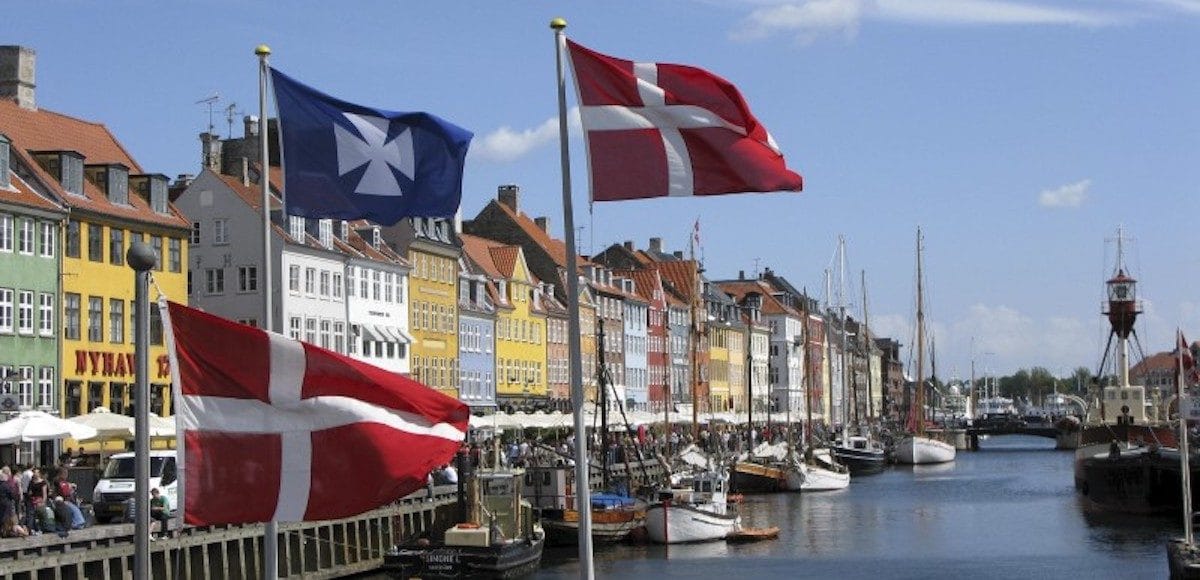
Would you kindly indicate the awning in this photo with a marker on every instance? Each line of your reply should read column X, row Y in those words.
column 371, row 332
column 401, row 335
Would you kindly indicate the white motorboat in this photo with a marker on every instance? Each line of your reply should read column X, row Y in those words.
column 823, row 474
column 696, row 511
column 917, row 450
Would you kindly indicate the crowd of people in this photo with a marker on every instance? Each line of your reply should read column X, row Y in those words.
column 32, row 505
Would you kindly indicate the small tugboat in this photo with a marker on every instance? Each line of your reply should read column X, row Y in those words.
column 498, row 537
column 862, row 455
column 695, row 511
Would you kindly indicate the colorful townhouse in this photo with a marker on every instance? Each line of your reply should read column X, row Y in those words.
column 432, row 248
column 520, row 323
column 111, row 202
column 476, row 336
column 648, row 285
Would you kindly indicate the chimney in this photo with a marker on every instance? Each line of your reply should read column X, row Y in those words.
column 741, row 274
column 250, row 126
column 183, row 180
column 628, row 245
column 210, row 151
column 656, row 245
column 678, row 254
column 244, row 171
column 507, row 194
column 17, row 65
column 543, row 223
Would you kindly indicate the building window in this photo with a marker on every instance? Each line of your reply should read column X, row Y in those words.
column 95, row 319
column 25, row 386
column 71, row 314
column 156, row 326
column 116, row 320
column 195, row 239
column 6, row 310
column 47, row 240
column 387, row 287
column 247, row 279
column 71, row 248
column 324, row 283
column 375, row 295
column 46, row 314
column 116, row 246
column 220, row 231
column 294, row 327
column 350, row 281
column 214, row 280
column 6, row 232
column 339, row 336
column 157, row 245
column 337, row 284
column 25, row 237
column 310, row 280
column 46, row 387
column 310, row 330
column 175, row 254
column 294, row 278
column 326, row 334
column 95, row 242
column 25, row 312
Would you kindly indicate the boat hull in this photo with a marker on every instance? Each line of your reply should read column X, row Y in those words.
column 861, row 461
column 608, row 526
column 914, row 450
column 817, row 478
column 1136, row 481
column 1183, row 560
column 685, row 524
column 751, row 477
column 513, row 560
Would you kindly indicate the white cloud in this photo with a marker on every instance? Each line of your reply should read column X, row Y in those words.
column 1070, row 195
column 507, row 144
column 811, row 19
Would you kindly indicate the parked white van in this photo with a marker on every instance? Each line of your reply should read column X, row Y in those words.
column 116, row 484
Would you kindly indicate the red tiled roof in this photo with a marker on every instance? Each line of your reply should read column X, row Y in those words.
column 42, row 130
column 740, row 288
column 479, row 250
column 681, row 275
column 557, row 249
column 23, row 193
column 505, row 258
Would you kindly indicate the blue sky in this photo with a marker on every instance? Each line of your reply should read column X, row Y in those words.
column 1018, row 135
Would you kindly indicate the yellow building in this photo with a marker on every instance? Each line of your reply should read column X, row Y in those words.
column 737, row 367
column 720, row 335
column 112, row 201
column 520, row 322
column 431, row 247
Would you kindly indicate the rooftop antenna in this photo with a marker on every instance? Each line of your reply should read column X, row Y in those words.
column 210, row 101
column 756, row 262
column 231, row 113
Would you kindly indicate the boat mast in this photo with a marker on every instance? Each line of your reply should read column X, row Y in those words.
column 841, row 298
column 919, row 395
column 693, row 342
column 602, row 401
column 867, row 344
column 804, row 378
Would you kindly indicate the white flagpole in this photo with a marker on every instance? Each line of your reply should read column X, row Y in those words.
column 582, row 488
column 1181, row 396
column 271, row 528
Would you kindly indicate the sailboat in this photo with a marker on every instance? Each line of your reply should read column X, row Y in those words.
column 916, row 448
column 818, row 471
column 862, row 454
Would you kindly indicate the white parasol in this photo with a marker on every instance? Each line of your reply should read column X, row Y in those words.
column 41, row 426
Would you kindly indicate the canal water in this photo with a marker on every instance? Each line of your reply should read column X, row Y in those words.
column 1007, row 511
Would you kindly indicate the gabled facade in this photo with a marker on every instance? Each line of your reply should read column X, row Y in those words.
column 558, row 375
column 610, row 315
column 111, row 201
column 520, row 323
column 30, row 258
column 648, row 284
column 476, row 336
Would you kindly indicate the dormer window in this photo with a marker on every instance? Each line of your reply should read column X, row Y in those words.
column 5, row 145
column 113, row 178
column 153, row 189
column 296, row 227
column 65, row 166
column 376, row 237
column 344, row 230
column 325, row 232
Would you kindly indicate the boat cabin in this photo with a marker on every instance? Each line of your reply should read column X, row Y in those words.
column 549, row 488
column 1123, row 405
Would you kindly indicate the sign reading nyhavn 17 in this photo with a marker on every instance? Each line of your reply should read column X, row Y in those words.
column 115, row 364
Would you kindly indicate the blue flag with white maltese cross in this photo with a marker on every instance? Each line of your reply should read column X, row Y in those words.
column 347, row 161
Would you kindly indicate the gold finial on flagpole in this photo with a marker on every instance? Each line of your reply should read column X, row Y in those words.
column 558, row 23
column 262, row 50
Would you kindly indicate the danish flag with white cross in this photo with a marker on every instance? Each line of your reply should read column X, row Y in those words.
column 277, row 429
column 655, row 130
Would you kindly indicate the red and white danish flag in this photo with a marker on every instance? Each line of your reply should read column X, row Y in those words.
column 277, row 429
column 656, row 130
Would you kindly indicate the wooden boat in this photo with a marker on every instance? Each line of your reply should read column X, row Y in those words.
column 916, row 448
column 861, row 455
column 822, row 473
column 500, row 537
column 747, row 535
column 696, row 511
column 550, row 489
